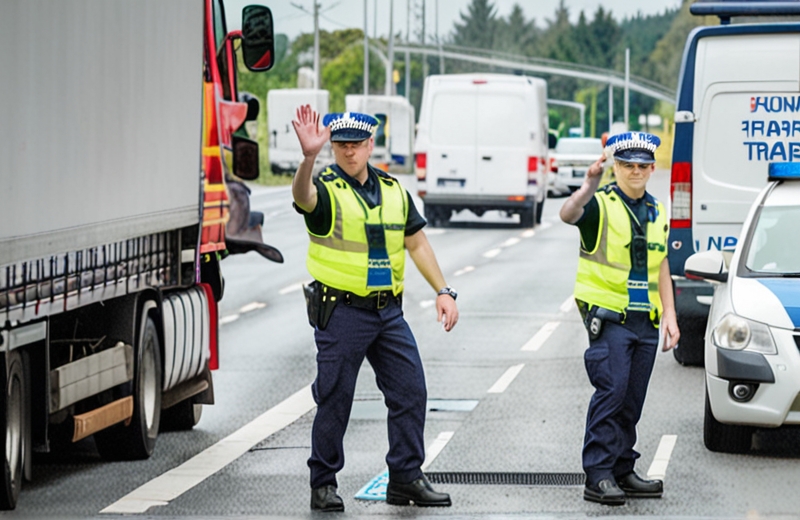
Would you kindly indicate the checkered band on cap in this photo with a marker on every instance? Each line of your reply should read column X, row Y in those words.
column 633, row 141
column 349, row 121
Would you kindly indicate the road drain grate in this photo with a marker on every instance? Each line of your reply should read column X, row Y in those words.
column 508, row 479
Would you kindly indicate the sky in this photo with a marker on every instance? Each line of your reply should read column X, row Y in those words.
column 340, row 14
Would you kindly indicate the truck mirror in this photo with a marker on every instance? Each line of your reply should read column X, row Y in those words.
column 245, row 158
column 258, row 42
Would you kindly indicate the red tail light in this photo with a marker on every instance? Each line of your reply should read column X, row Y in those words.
column 553, row 165
column 422, row 166
column 681, row 195
column 533, row 164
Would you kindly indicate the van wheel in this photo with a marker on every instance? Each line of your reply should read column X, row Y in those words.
column 725, row 438
column 539, row 209
column 14, row 433
column 527, row 216
column 137, row 439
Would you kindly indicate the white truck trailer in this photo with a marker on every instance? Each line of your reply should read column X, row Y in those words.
column 116, row 140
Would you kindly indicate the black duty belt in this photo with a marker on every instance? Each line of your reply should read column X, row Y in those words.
column 374, row 301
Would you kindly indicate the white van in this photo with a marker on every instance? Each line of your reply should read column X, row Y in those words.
column 482, row 145
column 738, row 109
column 394, row 140
column 284, row 147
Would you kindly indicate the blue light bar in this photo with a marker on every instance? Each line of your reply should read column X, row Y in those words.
column 784, row 171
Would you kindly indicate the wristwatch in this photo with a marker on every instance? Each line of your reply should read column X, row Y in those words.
column 448, row 291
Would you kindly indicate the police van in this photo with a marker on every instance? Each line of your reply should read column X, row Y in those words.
column 738, row 109
column 482, row 144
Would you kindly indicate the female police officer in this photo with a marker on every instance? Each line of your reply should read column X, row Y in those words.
column 624, row 292
column 361, row 222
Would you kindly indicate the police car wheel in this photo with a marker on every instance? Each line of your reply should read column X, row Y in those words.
column 725, row 438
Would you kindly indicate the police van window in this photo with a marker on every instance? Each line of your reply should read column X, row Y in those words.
column 774, row 243
column 453, row 119
column 499, row 119
column 380, row 133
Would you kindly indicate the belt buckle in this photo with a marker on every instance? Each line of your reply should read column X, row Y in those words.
column 383, row 299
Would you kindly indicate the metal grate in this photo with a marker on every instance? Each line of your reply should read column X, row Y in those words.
column 508, row 479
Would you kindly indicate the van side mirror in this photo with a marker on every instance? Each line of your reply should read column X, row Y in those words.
column 258, row 40
column 245, row 158
column 709, row 265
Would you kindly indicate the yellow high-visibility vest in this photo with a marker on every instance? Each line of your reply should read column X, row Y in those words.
column 604, row 272
column 340, row 257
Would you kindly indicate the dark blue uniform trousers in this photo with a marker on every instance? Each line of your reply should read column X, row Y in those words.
column 619, row 364
column 384, row 337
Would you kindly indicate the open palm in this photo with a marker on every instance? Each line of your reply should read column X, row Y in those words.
column 306, row 126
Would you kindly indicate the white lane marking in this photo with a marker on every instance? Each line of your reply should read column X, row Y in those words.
column 252, row 307
column 510, row 242
column 427, row 303
column 291, row 288
column 568, row 304
column 492, row 253
column 527, row 234
column 545, row 225
column 505, row 380
column 536, row 342
column 228, row 319
column 658, row 468
column 434, row 232
column 172, row 484
column 434, row 449
column 466, row 270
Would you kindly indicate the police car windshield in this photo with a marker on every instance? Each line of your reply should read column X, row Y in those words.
column 775, row 242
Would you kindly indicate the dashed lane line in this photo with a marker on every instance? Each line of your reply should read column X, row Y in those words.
column 172, row 484
column 536, row 342
column 467, row 269
column 505, row 380
column 492, row 253
column 658, row 468
column 436, row 447
column 568, row 304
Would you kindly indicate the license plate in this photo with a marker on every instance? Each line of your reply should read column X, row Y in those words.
column 579, row 173
column 450, row 183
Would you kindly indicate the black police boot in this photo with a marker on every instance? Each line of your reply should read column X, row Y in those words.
column 605, row 492
column 419, row 491
column 325, row 499
column 635, row 486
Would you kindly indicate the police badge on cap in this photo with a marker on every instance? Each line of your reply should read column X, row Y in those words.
column 350, row 126
column 634, row 147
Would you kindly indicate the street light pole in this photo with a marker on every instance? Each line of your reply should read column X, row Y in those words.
column 366, row 54
column 390, row 69
column 317, row 74
column 408, row 54
column 627, row 85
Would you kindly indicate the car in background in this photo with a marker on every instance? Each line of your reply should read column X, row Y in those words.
column 573, row 156
column 752, row 340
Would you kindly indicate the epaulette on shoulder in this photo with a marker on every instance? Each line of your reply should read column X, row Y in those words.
column 382, row 175
column 328, row 177
column 608, row 188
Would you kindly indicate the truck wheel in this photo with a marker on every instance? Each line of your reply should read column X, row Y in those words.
column 181, row 417
column 137, row 439
column 539, row 209
column 13, row 428
column 725, row 438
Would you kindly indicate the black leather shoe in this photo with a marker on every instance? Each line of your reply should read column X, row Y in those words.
column 605, row 492
column 419, row 491
column 326, row 500
column 635, row 486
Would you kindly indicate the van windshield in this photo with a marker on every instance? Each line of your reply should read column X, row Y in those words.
column 773, row 244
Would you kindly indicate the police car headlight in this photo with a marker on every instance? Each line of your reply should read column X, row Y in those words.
column 737, row 333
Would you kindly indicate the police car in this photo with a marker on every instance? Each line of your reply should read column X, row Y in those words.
column 752, row 341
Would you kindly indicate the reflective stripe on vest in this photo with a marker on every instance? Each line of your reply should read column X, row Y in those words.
column 340, row 258
column 604, row 272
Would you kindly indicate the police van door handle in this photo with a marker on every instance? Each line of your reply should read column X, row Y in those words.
column 487, row 157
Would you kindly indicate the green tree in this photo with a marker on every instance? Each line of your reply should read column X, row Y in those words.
column 515, row 35
column 477, row 27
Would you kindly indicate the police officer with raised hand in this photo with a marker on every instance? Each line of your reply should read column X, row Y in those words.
column 360, row 222
column 624, row 293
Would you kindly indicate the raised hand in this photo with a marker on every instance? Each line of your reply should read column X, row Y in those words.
column 306, row 126
column 596, row 169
